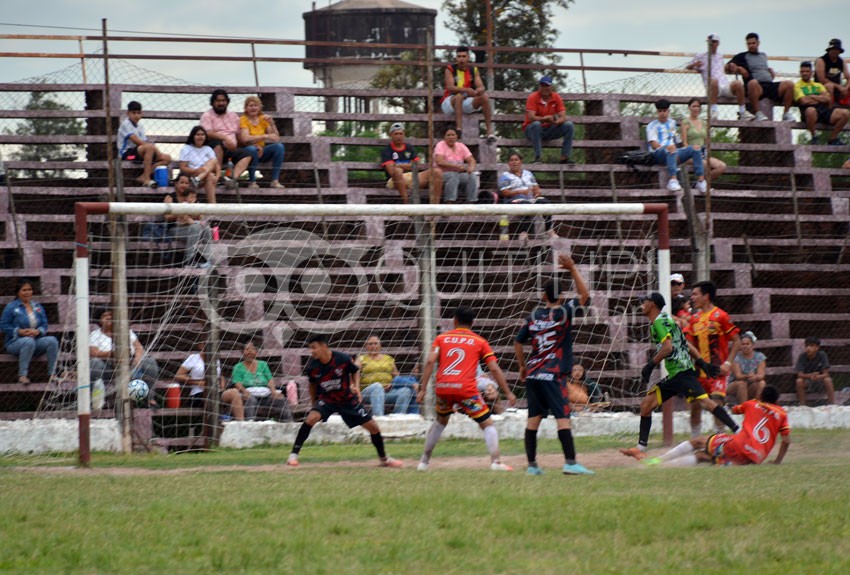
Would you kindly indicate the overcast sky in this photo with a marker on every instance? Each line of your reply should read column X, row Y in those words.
column 787, row 28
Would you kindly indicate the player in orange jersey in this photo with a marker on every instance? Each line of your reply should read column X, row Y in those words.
column 711, row 333
column 456, row 355
column 764, row 421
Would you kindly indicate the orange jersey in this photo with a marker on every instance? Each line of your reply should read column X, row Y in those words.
column 711, row 333
column 459, row 353
column 763, row 423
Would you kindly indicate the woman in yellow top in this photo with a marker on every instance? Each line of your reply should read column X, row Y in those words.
column 258, row 131
column 377, row 375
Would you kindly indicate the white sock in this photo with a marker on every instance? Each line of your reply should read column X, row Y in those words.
column 491, row 438
column 696, row 431
column 686, row 461
column 684, row 448
column 742, row 108
column 431, row 439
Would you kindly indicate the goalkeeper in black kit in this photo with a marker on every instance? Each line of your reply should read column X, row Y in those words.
column 671, row 347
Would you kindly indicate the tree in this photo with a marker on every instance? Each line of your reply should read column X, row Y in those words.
column 516, row 23
column 47, row 127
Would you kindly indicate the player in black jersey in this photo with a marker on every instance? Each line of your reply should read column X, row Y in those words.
column 549, row 328
column 335, row 388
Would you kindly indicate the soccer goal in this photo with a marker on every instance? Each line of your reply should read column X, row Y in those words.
column 272, row 274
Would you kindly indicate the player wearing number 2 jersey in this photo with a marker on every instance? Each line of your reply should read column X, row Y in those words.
column 456, row 355
column 549, row 329
column 764, row 422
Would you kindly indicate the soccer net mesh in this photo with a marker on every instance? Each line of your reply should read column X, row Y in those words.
column 275, row 279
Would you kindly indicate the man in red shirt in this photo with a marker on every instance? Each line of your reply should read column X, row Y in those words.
column 711, row 333
column 764, row 421
column 546, row 119
column 457, row 354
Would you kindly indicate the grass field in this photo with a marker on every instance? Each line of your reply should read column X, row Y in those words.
column 243, row 512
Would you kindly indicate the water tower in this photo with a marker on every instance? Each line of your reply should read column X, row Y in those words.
column 378, row 21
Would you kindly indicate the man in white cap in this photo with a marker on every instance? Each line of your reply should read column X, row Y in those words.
column 677, row 285
column 720, row 85
column 398, row 159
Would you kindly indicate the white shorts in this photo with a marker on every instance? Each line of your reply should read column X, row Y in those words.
column 448, row 108
column 725, row 92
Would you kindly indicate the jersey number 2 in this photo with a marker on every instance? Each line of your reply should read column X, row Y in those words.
column 459, row 356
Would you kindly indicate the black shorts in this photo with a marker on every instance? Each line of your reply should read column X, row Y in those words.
column 770, row 90
column 353, row 414
column 232, row 155
column 684, row 384
column 547, row 396
column 132, row 155
column 824, row 113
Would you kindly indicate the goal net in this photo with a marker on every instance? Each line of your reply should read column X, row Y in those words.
column 214, row 278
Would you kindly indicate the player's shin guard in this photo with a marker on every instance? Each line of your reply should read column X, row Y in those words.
column 568, row 445
column 303, row 434
column 378, row 442
column 645, row 426
column 681, row 450
column 724, row 416
column 491, row 438
column 531, row 445
column 431, row 439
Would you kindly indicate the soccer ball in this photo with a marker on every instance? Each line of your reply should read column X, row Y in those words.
column 138, row 390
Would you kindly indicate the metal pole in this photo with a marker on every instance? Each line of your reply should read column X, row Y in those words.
column 118, row 245
column 491, row 74
column 83, row 60
column 583, row 74
column 254, row 61
column 429, row 58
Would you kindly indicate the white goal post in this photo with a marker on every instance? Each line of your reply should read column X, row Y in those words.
column 426, row 217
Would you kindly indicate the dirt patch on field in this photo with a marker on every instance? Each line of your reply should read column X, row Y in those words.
column 594, row 460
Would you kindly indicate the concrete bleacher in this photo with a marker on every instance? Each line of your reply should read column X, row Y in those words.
column 779, row 222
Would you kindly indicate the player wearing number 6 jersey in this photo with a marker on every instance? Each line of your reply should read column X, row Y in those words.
column 764, row 421
column 550, row 365
column 456, row 355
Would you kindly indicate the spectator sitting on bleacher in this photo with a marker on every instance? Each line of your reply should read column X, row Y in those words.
column 24, row 325
column 518, row 186
column 258, row 132
column 662, row 135
column 198, row 161
column 192, row 230
column 546, row 119
column 398, row 157
column 828, row 70
column 465, row 93
column 720, row 84
column 758, row 79
column 458, row 166
column 223, row 131
column 816, row 106
column 748, row 369
column 582, row 391
column 378, row 375
column 134, row 145
column 102, row 353
column 812, row 367
column 694, row 134
column 192, row 373
column 846, row 164
column 253, row 379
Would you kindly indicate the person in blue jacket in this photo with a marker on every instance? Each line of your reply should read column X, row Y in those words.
column 24, row 323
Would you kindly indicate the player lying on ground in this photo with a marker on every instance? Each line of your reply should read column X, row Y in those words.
column 335, row 388
column 763, row 422
column 456, row 355
column 671, row 348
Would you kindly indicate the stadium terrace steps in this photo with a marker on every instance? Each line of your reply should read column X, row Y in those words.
column 780, row 223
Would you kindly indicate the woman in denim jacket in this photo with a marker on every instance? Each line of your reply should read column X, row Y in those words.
column 24, row 323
